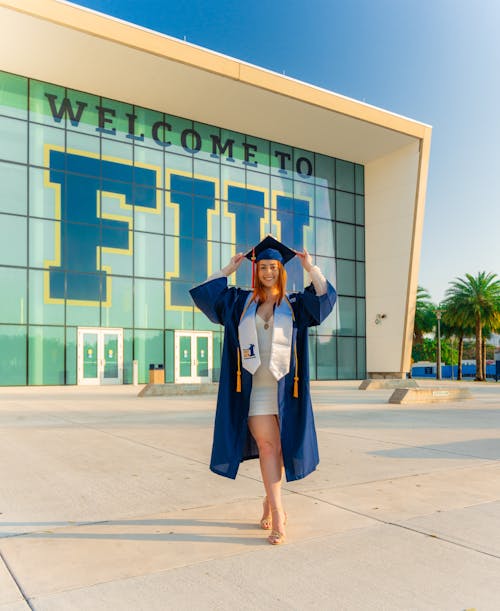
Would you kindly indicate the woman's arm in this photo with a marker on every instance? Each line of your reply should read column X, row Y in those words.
column 229, row 269
column 213, row 297
column 317, row 278
column 314, row 304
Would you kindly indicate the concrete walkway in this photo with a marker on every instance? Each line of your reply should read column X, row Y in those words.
column 106, row 503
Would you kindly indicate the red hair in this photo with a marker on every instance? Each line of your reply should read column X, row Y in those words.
column 259, row 294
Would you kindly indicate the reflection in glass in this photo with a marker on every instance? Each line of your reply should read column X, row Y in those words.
column 46, row 355
column 13, row 351
column 13, row 188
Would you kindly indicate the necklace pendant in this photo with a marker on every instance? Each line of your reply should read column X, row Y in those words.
column 266, row 326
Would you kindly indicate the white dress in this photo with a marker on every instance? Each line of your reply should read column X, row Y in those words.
column 264, row 396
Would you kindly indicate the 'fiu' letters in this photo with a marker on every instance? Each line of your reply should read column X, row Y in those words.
column 79, row 275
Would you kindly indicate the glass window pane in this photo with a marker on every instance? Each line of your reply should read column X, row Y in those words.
column 347, row 358
column 150, row 219
column 325, row 244
column 113, row 150
column 325, row 171
column 346, row 313
column 360, row 279
column 324, row 203
column 345, row 207
column 13, row 351
column 13, row 283
column 346, row 277
column 148, row 349
column 175, row 136
column 13, row 188
column 359, row 172
column 345, row 241
column 85, row 113
column 42, row 310
column 40, row 107
column 77, row 142
column 40, row 136
column 360, row 210
column 44, row 200
column 71, row 356
column 128, row 358
column 45, row 243
column 361, row 358
column 117, row 112
column 327, row 357
column 13, row 140
column 360, row 317
column 217, row 351
column 46, row 355
column 149, row 304
column 13, row 239
column 230, row 157
column 312, row 354
column 119, row 312
column 183, row 319
column 13, row 95
column 169, row 356
column 119, row 261
column 82, row 312
column 281, row 160
column 144, row 124
column 176, row 164
column 148, row 255
column 259, row 155
column 205, row 153
column 149, row 158
column 303, row 165
column 344, row 175
column 360, row 243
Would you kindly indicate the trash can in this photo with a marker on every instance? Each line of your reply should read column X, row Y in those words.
column 156, row 374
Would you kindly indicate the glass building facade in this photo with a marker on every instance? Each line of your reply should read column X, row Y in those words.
column 110, row 212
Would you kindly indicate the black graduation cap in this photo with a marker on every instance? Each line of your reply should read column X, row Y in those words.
column 270, row 248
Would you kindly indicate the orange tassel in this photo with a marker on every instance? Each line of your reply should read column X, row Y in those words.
column 253, row 268
column 296, row 376
column 238, row 374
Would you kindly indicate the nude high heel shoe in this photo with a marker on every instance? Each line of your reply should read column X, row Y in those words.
column 276, row 537
column 267, row 522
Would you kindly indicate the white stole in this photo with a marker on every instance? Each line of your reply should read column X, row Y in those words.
column 281, row 340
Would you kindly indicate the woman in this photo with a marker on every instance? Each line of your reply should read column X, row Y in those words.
column 263, row 406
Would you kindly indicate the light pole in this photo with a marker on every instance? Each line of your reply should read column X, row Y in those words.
column 438, row 351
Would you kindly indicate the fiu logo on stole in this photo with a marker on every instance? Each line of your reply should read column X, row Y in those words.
column 248, row 353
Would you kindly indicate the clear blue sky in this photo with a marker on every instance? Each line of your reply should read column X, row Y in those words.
column 436, row 61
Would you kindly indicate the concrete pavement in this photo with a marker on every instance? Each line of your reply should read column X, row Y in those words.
column 106, row 502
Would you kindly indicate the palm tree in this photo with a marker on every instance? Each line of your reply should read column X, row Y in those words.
column 457, row 323
column 478, row 298
column 425, row 316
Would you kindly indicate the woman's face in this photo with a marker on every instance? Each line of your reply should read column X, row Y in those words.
column 268, row 272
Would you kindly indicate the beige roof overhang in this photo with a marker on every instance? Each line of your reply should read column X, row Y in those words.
column 66, row 44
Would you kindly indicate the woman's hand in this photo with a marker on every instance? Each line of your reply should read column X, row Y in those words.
column 305, row 260
column 233, row 264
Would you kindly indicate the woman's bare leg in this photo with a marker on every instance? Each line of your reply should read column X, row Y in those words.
column 265, row 431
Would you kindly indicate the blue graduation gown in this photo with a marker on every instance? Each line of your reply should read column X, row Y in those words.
column 232, row 440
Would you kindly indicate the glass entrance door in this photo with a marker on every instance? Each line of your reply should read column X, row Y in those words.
column 100, row 356
column 193, row 357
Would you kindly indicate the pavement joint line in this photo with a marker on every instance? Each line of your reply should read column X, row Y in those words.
column 402, row 526
column 15, row 580
column 407, row 445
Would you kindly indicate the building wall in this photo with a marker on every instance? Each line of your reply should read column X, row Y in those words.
column 110, row 212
